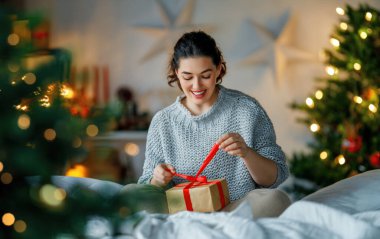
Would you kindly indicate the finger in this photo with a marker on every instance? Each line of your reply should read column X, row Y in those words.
column 223, row 138
column 171, row 168
column 236, row 152
column 234, row 146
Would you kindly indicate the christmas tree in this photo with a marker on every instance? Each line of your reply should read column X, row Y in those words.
column 39, row 137
column 342, row 113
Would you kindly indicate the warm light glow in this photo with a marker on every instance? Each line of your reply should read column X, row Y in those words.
column 29, row 78
column 368, row 16
column 310, row 102
column 1, row 166
column 319, row 94
column 335, row 42
column 330, row 70
column 13, row 67
column 6, row 178
column 78, row 170
column 363, row 35
column 92, row 130
column 67, row 92
column 50, row 134
column 22, row 107
column 132, row 149
column 77, row 142
column 372, row 108
column 343, row 26
column 48, row 194
column 45, row 101
column 358, row 99
column 23, row 121
column 357, row 66
column 314, row 127
column 340, row 159
column 323, row 155
column 20, row 226
column 8, row 219
column 340, row 11
column 13, row 39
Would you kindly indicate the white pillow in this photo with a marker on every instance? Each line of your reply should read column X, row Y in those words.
column 356, row 194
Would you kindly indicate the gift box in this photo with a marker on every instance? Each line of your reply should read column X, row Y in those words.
column 207, row 196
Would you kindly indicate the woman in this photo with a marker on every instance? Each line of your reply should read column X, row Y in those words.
column 181, row 135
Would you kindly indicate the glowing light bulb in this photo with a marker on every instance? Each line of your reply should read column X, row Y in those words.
column 1, row 166
column 330, row 70
column 29, row 78
column 343, row 26
column 357, row 66
column 50, row 134
column 363, row 35
column 314, row 127
column 340, row 11
column 132, row 149
column 340, row 159
column 77, row 171
column 319, row 94
column 8, row 219
column 48, row 194
column 372, row 108
column 13, row 39
column 92, row 130
column 67, row 92
column 20, row 226
column 23, row 121
column 6, row 178
column 323, row 155
column 368, row 16
column 310, row 102
column 45, row 101
column 335, row 42
column 358, row 99
column 22, row 107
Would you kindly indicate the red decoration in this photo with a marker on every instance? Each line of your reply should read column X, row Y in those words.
column 352, row 144
column 374, row 159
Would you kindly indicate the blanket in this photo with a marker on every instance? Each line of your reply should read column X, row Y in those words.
column 303, row 219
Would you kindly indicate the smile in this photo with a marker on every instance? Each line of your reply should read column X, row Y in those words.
column 198, row 93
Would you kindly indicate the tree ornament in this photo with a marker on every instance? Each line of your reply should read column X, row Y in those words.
column 374, row 159
column 352, row 144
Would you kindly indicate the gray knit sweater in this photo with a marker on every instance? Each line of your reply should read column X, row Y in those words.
column 183, row 140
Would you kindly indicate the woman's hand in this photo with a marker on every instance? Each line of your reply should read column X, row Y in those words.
column 162, row 175
column 233, row 144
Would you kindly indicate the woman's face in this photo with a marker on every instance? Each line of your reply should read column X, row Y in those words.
column 197, row 77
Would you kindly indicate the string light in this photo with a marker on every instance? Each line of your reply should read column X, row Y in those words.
column 67, row 92
column 323, row 155
column 50, row 134
column 358, row 99
column 22, row 107
column 340, row 159
column 335, row 42
column 52, row 195
column 132, row 149
column 310, row 102
column 343, row 26
column 8, row 219
column 92, row 130
column 357, row 66
column 1, row 166
column 330, row 70
column 23, row 121
column 13, row 39
column 314, row 127
column 319, row 94
column 368, row 16
column 6, row 178
column 340, row 11
column 29, row 78
column 363, row 35
column 20, row 226
column 372, row 108
column 45, row 101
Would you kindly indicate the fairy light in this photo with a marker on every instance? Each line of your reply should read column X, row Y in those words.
column 357, row 66
column 363, row 35
column 52, row 195
column 368, row 16
column 22, row 107
column 310, row 102
column 78, row 170
column 20, row 226
column 340, row 159
column 330, row 70
column 323, row 155
column 67, row 92
column 23, row 121
column 314, row 127
column 45, row 101
column 50, row 134
column 132, row 149
column 372, row 108
column 13, row 39
column 92, row 130
column 335, row 42
column 13, row 67
column 1, row 166
column 6, row 178
column 358, row 99
column 343, row 26
column 8, row 219
column 29, row 78
column 319, row 94
column 340, row 11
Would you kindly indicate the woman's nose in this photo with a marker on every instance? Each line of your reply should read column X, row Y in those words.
column 196, row 83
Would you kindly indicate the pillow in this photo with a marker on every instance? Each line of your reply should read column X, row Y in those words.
column 356, row 194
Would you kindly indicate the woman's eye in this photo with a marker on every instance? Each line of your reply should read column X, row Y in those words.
column 187, row 78
column 206, row 77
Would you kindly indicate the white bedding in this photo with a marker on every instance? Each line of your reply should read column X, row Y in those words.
column 302, row 219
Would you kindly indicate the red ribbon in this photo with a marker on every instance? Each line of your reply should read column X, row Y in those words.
column 200, row 180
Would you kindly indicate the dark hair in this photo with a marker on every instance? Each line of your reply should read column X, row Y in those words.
column 194, row 44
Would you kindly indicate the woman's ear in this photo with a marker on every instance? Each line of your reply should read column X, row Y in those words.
column 218, row 70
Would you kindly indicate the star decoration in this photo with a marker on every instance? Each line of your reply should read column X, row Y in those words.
column 173, row 28
column 273, row 48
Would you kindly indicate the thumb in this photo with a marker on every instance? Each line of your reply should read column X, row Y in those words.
column 171, row 168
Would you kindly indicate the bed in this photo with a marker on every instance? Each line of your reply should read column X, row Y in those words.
column 349, row 208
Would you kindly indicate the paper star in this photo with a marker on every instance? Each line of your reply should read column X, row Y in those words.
column 273, row 48
column 173, row 28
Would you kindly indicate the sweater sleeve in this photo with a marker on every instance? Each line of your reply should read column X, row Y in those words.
column 265, row 145
column 153, row 153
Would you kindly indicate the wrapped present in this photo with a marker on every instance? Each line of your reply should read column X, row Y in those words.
column 198, row 196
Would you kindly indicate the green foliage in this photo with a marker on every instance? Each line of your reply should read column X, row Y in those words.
column 347, row 114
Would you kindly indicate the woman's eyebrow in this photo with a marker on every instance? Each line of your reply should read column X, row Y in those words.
column 189, row 73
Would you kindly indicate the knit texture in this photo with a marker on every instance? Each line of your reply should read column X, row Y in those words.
column 177, row 137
